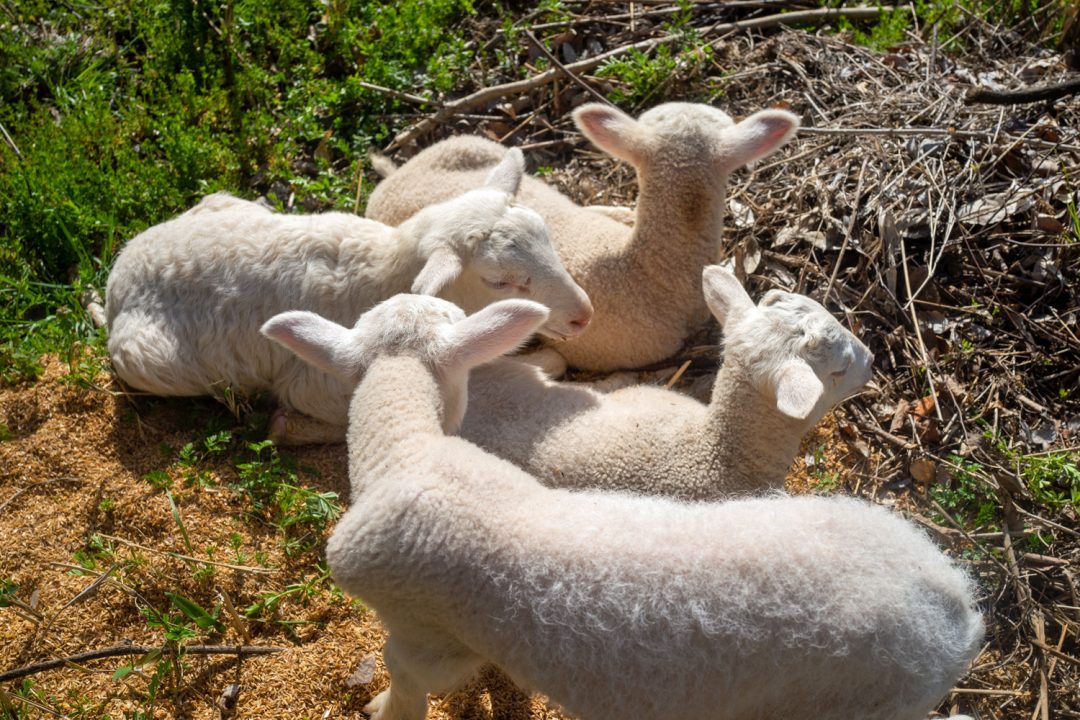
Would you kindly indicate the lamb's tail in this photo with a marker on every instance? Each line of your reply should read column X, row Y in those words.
column 383, row 165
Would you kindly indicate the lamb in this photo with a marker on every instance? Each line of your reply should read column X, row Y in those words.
column 644, row 281
column 786, row 362
column 185, row 298
column 614, row 605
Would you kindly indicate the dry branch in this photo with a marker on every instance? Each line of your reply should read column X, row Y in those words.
column 1047, row 92
column 124, row 650
column 33, row 486
column 189, row 558
column 489, row 94
column 570, row 74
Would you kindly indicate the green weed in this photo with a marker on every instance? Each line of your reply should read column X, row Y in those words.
column 270, row 483
column 642, row 78
column 965, row 497
column 303, row 592
column 96, row 551
column 186, row 620
column 119, row 116
column 1053, row 479
column 1073, row 231
column 29, row 699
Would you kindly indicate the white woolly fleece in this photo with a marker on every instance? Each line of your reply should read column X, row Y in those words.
column 616, row 605
column 643, row 281
column 659, row 442
column 186, row 298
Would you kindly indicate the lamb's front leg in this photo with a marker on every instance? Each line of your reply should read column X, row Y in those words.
column 417, row 666
column 290, row 427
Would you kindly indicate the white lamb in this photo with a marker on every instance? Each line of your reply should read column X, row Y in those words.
column 644, row 281
column 614, row 605
column 786, row 362
column 186, row 297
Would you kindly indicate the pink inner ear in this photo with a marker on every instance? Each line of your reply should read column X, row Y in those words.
column 759, row 135
column 612, row 131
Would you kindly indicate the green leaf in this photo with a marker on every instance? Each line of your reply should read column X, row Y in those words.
column 123, row 672
column 195, row 613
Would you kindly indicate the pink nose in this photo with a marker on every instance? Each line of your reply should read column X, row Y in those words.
column 580, row 323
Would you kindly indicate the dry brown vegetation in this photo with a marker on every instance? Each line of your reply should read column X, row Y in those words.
column 945, row 233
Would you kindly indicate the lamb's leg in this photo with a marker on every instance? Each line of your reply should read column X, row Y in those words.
column 416, row 668
column 508, row 701
column 289, row 427
column 547, row 359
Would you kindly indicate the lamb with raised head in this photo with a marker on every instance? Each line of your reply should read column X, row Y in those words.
column 644, row 281
column 614, row 605
column 186, row 297
column 786, row 362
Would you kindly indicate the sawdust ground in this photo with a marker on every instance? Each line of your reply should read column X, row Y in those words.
column 96, row 447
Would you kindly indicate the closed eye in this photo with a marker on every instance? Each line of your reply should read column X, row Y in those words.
column 840, row 373
column 505, row 285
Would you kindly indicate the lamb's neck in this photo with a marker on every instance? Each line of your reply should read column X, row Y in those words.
column 396, row 411
column 669, row 210
column 748, row 443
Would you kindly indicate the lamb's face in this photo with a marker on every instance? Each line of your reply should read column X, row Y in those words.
column 517, row 260
column 801, row 328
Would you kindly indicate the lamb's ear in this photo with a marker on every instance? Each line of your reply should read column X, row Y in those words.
column 441, row 269
column 759, row 135
column 506, row 176
column 724, row 294
column 320, row 342
column 492, row 331
column 798, row 389
column 614, row 132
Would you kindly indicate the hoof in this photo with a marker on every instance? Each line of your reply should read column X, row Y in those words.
column 278, row 429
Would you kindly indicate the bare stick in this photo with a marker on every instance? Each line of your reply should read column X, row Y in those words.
column 489, row 94
column 850, row 227
column 1046, row 92
column 178, row 556
column 10, row 142
column 415, row 99
column 30, row 487
column 932, row 132
column 122, row 650
column 555, row 61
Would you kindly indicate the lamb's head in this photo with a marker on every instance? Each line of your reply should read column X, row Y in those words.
column 688, row 141
column 790, row 346
column 430, row 329
column 482, row 247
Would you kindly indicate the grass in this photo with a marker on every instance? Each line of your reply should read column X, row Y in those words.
column 122, row 114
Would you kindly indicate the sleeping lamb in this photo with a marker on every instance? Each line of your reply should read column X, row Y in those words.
column 186, row 298
column 786, row 362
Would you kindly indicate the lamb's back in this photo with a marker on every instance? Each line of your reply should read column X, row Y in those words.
column 185, row 298
column 748, row 604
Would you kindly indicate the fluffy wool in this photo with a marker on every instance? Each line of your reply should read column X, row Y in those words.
column 644, row 281
column 618, row 605
column 786, row 362
column 186, row 297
